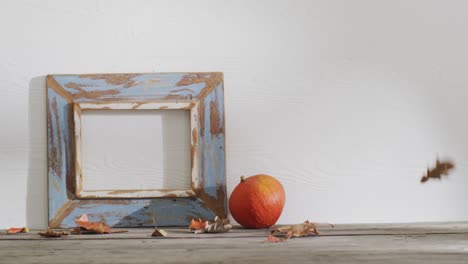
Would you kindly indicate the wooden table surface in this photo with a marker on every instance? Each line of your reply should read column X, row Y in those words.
column 381, row 243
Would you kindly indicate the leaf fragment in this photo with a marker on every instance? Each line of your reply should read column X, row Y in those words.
column 217, row 226
column 281, row 234
column 92, row 227
column 15, row 230
column 197, row 224
column 52, row 234
column 159, row 233
column 273, row 239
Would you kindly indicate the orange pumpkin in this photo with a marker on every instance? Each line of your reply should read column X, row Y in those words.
column 257, row 201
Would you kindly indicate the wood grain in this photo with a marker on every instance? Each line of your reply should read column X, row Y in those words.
column 346, row 244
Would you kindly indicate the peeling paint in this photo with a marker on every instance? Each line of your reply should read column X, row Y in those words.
column 116, row 79
column 89, row 94
column 215, row 203
column 215, row 121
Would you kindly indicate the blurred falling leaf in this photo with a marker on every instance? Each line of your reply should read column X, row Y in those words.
column 442, row 168
column 15, row 230
column 52, row 233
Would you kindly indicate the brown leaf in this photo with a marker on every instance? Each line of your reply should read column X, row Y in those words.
column 15, row 230
column 273, row 239
column 159, row 232
column 52, row 233
column 217, row 226
column 197, row 224
column 92, row 227
column 304, row 229
column 441, row 169
column 299, row 230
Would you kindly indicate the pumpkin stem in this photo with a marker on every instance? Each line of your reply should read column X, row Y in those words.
column 243, row 179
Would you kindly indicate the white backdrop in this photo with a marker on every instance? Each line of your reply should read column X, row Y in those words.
column 345, row 102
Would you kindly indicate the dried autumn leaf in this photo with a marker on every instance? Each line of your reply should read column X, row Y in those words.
column 217, row 226
column 304, row 229
column 273, row 239
column 52, row 233
column 197, row 224
column 92, row 227
column 299, row 230
column 158, row 233
column 441, row 169
column 15, row 230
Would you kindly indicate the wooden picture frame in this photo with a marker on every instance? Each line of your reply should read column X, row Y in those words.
column 200, row 93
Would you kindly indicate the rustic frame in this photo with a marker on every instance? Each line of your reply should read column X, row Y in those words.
column 200, row 93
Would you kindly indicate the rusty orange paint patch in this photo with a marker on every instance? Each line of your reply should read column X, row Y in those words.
column 115, row 79
column 215, row 204
column 215, row 120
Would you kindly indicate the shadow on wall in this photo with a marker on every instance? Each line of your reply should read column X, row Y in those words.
column 36, row 201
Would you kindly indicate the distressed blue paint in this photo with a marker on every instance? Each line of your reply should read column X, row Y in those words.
column 169, row 212
column 57, row 179
column 150, row 86
column 142, row 91
column 213, row 146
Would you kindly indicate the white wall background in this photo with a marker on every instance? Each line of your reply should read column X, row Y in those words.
column 345, row 102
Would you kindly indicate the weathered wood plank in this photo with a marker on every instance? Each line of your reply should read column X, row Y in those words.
column 238, row 232
column 410, row 248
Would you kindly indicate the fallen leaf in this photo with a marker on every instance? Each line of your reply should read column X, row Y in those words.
column 217, row 226
column 304, row 229
column 15, row 230
column 159, row 232
column 52, row 233
column 92, row 227
column 197, row 224
column 273, row 239
column 441, row 169
column 281, row 234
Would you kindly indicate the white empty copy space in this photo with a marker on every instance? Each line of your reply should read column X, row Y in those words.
column 135, row 149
